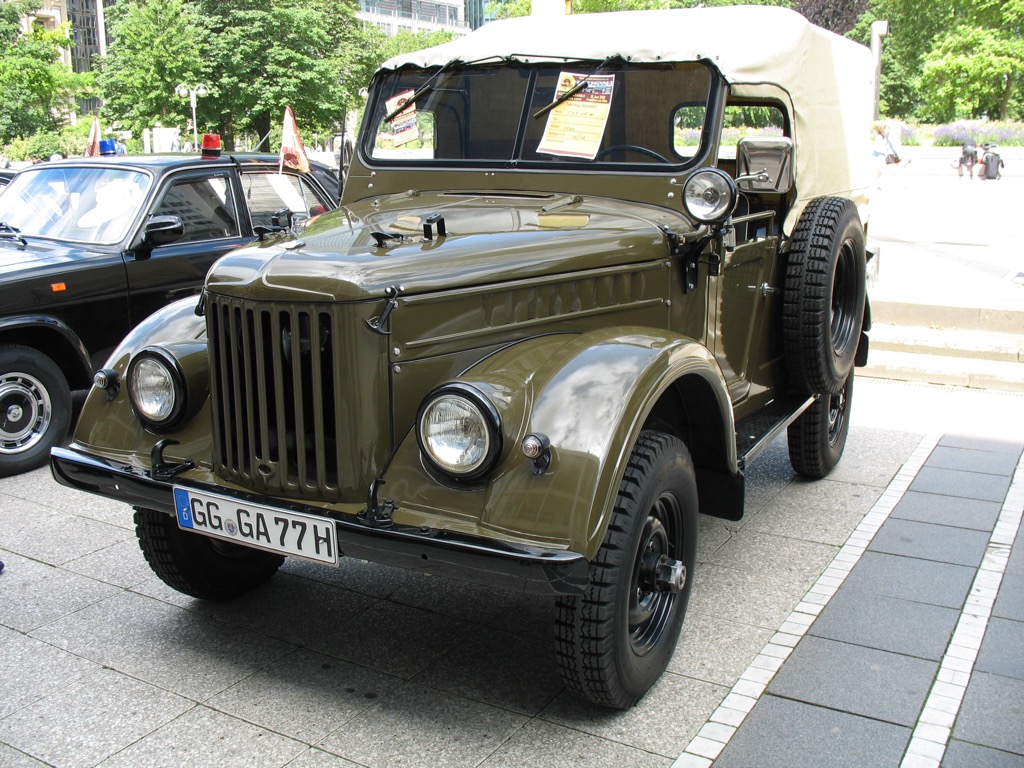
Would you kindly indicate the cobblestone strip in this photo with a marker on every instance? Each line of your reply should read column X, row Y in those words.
column 727, row 718
column 935, row 725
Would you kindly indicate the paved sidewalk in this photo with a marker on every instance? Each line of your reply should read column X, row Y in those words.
column 102, row 665
column 907, row 650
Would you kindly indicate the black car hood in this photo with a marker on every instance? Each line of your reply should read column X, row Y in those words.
column 40, row 256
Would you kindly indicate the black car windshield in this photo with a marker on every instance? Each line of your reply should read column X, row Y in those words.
column 614, row 113
column 88, row 205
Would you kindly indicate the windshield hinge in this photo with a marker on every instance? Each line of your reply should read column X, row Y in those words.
column 692, row 257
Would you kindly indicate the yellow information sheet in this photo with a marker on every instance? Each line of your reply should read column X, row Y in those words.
column 403, row 125
column 575, row 127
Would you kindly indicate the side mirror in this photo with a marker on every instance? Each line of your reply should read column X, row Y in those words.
column 161, row 230
column 282, row 219
column 764, row 164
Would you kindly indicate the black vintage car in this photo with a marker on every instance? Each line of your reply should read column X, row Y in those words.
column 91, row 246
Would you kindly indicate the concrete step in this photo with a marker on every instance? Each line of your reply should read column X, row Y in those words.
column 945, row 369
column 980, row 347
column 948, row 342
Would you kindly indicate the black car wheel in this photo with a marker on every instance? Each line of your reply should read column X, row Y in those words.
column 615, row 641
column 817, row 438
column 824, row 296
column 198, row 565
column 35, row 408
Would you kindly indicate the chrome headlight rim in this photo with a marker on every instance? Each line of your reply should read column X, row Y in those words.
column 178, row 390
column 488, row 417
column 720, row 182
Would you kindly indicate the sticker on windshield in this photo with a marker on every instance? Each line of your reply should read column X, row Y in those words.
column 577, row 121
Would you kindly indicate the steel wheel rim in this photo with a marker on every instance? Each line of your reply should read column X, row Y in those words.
column 25, row 412
column 836, row 416
column 844, row 295
column 650, row 609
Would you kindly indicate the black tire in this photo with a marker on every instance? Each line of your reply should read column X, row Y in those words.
column 817, row 438
column 35, row 408
column 824, row 296
column 198, row 565
column 614, row 641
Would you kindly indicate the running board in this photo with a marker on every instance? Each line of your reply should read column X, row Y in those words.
column 755, row 432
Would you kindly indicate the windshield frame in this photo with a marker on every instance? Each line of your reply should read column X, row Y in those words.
column 66, row 203
column 524, row 154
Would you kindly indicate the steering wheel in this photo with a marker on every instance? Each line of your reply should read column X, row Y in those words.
column 632, row 148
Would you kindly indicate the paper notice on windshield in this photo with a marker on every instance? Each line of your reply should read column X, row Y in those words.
column 403, row 125
column 575, row 127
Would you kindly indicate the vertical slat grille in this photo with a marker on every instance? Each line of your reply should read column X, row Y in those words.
column 276, row 422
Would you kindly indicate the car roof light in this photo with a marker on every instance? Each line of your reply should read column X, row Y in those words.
column 211, row 145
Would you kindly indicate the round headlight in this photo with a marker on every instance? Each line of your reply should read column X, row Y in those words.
column 155, row 388
column 709, row 195
column 458, row 431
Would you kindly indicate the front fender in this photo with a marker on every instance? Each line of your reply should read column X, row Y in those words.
column 54, row 338
column 590, row 394
column 107, row 424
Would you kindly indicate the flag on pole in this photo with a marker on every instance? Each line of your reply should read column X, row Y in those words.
column 92, row 147
column 293, row 154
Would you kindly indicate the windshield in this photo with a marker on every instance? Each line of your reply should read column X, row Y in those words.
column 540, row 115
column 90, row 205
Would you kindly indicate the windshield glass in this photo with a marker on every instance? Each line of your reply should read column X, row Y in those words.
column 90, row 205
column 541, row 115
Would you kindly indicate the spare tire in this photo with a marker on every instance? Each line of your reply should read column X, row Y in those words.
column 824, row 296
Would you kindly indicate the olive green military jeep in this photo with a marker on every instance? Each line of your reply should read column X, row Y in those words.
column 559, row 313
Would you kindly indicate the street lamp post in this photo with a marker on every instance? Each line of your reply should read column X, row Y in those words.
column 192, row 91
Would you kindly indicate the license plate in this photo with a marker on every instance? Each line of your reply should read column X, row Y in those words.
column 257, row 525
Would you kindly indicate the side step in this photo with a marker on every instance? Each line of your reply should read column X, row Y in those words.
column 755, row 432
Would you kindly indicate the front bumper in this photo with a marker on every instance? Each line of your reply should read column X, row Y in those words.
column 484, row 561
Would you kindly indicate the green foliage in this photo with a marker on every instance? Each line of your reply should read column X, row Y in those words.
column 921, row 73
column 157, row 44
column 296, row 52
column 68, row 141
column 36, row 87
column 971, row 72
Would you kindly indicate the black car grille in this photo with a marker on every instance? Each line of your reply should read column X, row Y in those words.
column 273, row 391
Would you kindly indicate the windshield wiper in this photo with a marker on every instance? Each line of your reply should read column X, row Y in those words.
column 424, row 89
column 7, row 232
column 572, row 91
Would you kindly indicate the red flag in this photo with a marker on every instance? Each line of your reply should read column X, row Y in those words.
column 293, row 154
column 92, row 147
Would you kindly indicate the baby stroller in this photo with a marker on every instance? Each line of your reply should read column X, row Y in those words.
column 991, row 163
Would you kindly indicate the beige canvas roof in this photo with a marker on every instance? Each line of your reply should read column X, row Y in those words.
column 760, row 50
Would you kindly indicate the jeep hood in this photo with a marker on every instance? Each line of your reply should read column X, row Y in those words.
column 361, row 251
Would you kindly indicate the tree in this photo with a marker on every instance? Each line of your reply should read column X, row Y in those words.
column 971, row 72
column 839, row 16
column 925, row 30
column 157, row 44
column 295, row 52
column 36, row 87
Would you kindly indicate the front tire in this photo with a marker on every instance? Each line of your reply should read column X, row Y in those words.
column 35, row 408
column 817, row 438
column 615, row 641
column 198, row 565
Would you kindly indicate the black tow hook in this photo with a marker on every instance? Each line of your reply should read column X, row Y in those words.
column 376, row 515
